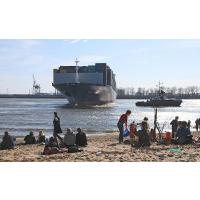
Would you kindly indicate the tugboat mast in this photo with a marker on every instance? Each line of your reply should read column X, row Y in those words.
column 160, row 88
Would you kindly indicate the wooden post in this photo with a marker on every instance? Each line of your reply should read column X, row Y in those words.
column 155, row 118
column 155, row 122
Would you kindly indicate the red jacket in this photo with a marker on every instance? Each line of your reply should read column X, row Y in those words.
column 123, row 119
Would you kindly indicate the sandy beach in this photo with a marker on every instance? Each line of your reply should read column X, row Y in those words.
column 105, row 148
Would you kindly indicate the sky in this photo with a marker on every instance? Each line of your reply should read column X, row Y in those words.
column 136, row 63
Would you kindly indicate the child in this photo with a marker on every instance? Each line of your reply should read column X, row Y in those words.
column 133, row 130
column 152, row 136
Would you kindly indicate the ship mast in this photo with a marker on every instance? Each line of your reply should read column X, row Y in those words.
column 77, row 75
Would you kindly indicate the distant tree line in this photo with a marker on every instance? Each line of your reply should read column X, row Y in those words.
column 190, row 92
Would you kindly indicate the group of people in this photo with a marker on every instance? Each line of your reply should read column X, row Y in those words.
column 55, row 144
column 141, row 135
column 70, row 142
column 9, row 141
column 181, row 133
column 31, row 139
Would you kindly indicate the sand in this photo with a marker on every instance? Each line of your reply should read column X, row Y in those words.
column 105, row 148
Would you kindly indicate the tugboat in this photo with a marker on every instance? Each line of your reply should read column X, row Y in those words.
column 160, row 100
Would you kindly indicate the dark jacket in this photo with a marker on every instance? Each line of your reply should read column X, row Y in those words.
column 174, row 124
column 7, row 142
column 184, row 136
column 56, row 123
column 143, row 138
column 81, row 139
column 30, row 139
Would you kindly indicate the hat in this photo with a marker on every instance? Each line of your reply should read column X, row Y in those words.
column 78, row 129
column 69, row 130
column 41, row 132
column 31, row 132
column 6, row 133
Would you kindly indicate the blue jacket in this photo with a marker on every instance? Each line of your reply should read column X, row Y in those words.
column 183, row 132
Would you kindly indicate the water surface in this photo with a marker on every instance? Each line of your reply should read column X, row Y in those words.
column 19, row 116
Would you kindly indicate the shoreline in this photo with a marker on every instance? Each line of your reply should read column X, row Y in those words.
column 52, row 96
column 105, row 148
column 89, row 133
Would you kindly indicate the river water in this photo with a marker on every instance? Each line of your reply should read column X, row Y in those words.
column 19, row 116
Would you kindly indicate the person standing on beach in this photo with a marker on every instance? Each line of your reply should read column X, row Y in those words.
column 174, row 124
column 123, row 120
column 57, row 128
column 197, row 122
column 189, row 124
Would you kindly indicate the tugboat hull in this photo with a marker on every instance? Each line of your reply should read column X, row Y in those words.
column 160, row 103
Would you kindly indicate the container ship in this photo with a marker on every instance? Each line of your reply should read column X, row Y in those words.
column 86, row 85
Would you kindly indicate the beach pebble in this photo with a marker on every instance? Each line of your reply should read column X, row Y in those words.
column 99, row 153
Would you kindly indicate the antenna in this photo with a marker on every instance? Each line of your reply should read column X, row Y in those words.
column 159, row 86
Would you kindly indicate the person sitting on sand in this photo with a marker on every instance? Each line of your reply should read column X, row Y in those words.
column 184, row 135
column 133, row 131
column 167, row 138
column 143, row 136
column 52, row 147
column 81, row 139
column 152, row 136
column 30, row 139
column 69, row 138
column 174, row 124
column 57, row 128
column 41, row 138
column 7, row 142
column 147, row 121
column 123, row 120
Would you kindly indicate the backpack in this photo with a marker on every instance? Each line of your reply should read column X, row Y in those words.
column 74, row 149
column 126, row 133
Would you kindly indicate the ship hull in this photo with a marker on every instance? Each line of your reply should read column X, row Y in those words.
column 86, row 94
column 160, row 103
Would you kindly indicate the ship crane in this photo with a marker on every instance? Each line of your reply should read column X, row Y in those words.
column 36, row 86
